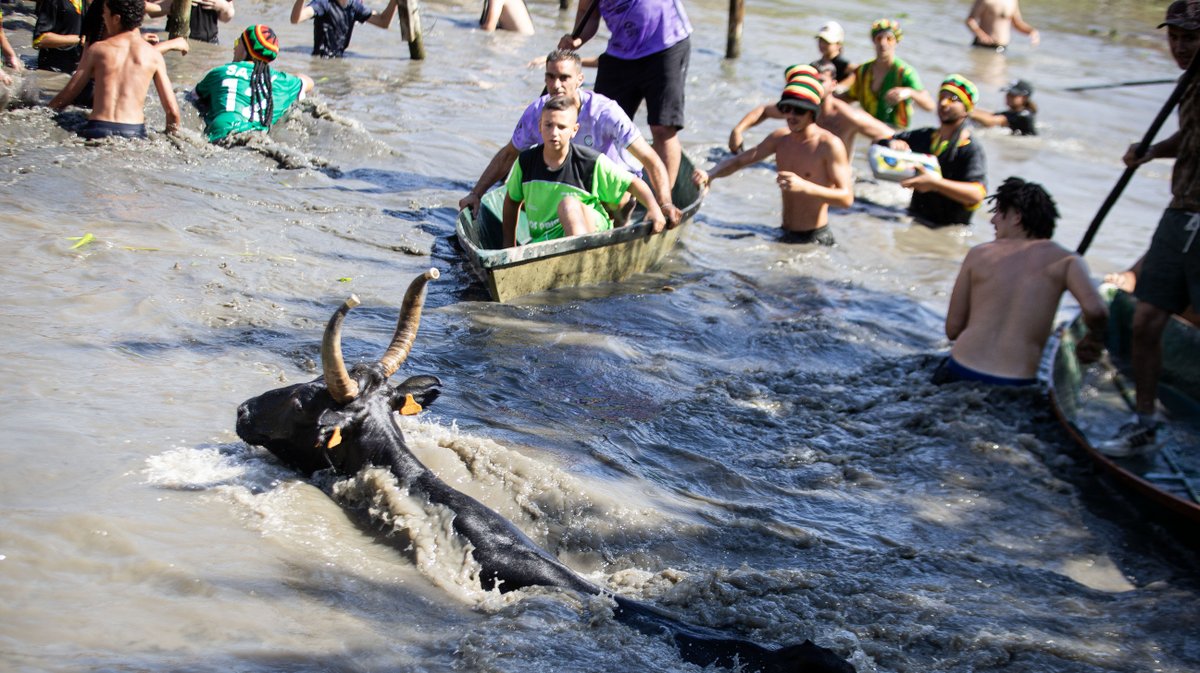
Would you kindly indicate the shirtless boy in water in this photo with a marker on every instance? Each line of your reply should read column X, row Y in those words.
column 1003, row 304
column 992, row 21
column 122, row 66
column 814, row 170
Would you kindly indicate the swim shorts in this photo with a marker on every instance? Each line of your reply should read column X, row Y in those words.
column 95, row 130
column 950, row 371
column 1170, row 277
column 998, row 48
column 821, row 236
column 658, row 79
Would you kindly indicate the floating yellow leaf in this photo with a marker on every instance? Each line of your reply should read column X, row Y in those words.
column 81, row 240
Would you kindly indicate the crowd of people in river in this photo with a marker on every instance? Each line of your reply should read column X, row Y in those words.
column 576, row 162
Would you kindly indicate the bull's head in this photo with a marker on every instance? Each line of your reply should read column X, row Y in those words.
column 333, row 421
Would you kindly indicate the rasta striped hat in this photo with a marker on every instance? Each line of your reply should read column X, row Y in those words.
column 886, row 25
column 962, row 88
column 799, row 70
column 803, row 90
column 261, row 43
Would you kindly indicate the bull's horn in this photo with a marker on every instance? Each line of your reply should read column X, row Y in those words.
column 406, row 326
column 337, row 379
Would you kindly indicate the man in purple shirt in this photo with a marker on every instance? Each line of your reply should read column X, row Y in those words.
column 646, row 59
column 603, row 127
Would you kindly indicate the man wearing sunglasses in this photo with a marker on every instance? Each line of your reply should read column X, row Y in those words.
column 814, row 169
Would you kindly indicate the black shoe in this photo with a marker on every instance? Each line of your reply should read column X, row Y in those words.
column 1133, row 439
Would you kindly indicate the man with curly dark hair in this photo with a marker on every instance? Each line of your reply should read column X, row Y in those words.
column 1003, row 304
column 122, row 66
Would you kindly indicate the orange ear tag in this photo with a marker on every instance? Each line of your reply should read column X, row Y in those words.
column 335, row 438
column 410, row 408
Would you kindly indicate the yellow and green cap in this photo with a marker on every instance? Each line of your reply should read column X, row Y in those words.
column 886, row 25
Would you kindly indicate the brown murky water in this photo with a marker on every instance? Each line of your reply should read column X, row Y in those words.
column 757, row 450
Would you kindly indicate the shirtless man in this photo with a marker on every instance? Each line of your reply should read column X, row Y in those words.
column 992, row 21
column 1003, row 304
column 814, row 170
column 122, row 66
column 836, row 116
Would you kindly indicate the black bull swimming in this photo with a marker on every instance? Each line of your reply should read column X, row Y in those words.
column 344, row 421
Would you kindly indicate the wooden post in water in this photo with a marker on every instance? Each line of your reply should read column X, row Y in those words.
column 733, row 41
column 179, row 19
column 410, row 28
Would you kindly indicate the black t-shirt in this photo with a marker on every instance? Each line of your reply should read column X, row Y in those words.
column 60, row 17
column 840, row 64
column 965, row 163
column 333, row 25
column 203, row 25
column 1021, row 123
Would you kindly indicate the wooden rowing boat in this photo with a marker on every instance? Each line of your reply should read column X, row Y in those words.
column 1091, row 401
column 603, row 257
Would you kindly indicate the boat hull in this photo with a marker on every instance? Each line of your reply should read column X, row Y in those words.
column 602, row 257
column 1090, row 401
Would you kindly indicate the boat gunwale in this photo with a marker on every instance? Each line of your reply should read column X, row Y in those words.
column 488, row 258
column 1175, row 503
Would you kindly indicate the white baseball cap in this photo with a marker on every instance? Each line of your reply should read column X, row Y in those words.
column 832, row 33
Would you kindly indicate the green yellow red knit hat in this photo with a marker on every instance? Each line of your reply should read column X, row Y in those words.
column 802, row 91
column 962, row 88
column 261, row 43
column 883, row 25
column 799, row 70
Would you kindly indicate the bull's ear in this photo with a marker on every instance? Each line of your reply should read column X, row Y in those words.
column 423, row 389
column 329, row 427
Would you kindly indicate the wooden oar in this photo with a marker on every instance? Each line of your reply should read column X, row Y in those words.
column 1184, row 82
column 1113, row 85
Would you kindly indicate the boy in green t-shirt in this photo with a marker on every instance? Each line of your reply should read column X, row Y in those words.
column 247, row 95
column 561, row 185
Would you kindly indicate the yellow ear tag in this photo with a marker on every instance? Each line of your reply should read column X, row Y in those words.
column 410, row 408
column 335, row 438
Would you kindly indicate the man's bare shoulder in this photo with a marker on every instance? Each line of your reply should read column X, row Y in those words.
column 1040, row 253
column 830, row 141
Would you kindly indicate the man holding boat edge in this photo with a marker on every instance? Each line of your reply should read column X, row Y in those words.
column 603, row 126
column 1170, row 278
column 1006, row 295
column 561, row 185
column 814, row 169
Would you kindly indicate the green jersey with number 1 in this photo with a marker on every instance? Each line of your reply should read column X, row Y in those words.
column 226, row 92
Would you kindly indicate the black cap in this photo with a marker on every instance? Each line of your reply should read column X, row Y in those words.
column 1184, row 14
column 1020, row 88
